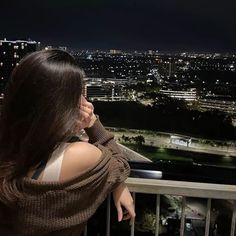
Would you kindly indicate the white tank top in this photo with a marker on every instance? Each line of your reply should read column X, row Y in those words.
column 52, row 170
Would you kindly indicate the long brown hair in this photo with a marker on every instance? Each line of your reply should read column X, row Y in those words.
column 39, row 110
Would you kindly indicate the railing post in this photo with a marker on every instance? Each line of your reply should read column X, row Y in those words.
column 208, row 217
column 182, row 216
column 157, row 214
column 232, row 231
column 133, row 221
column 85, row 230
column 108, row 223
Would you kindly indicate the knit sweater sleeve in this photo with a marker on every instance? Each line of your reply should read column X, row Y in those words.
column 100, row 137
column 49, row 207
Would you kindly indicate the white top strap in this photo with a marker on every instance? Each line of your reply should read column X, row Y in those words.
column 53, row 168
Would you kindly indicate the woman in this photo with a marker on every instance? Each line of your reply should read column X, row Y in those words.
column 48, row 184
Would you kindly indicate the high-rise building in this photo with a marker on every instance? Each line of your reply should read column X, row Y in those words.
column 11, row 52
column 172, row 69
column 167, row 68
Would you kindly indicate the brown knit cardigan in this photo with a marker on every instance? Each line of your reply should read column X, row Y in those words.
column 63, row 208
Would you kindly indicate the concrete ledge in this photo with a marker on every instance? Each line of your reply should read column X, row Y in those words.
column 132, row 155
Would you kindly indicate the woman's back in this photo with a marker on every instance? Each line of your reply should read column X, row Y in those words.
column 75, row 158
column 66, row 205
column 43, row 107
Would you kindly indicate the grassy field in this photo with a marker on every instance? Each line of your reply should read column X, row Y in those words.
column 154, row 153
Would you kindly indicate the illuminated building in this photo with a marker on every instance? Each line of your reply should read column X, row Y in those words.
column 95, row 90
column 220, row 105
column 103, row 89
column 187, row 95
column 115, row 51
column 11, row 52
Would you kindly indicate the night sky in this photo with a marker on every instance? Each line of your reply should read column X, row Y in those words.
column 164, row 25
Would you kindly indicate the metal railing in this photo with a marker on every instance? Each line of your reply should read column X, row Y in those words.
column 179, row 188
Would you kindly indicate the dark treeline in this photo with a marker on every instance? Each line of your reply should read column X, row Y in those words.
column 168, row 118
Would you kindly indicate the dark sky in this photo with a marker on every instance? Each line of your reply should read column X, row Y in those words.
column 165, row 25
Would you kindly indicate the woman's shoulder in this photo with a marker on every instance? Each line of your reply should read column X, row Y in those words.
column 78, row 157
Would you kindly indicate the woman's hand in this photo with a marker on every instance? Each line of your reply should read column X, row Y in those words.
column 86, row 115
column 123, row 198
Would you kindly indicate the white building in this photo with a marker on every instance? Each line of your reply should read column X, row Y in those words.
column 187, row 95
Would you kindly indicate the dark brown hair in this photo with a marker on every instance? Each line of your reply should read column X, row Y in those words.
column 40, row 107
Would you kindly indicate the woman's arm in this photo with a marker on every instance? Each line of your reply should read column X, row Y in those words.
column 123, row 198
column 98, row 135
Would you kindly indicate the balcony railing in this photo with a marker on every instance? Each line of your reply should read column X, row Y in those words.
column 179, row 188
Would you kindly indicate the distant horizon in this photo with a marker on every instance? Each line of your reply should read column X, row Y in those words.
column 44, row 44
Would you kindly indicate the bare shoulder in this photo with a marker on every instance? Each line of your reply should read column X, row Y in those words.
column 78, row 157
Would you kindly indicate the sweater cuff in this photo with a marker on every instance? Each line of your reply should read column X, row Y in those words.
column 97, row 132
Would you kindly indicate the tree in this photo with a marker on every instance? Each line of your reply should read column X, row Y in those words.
column 139, row 140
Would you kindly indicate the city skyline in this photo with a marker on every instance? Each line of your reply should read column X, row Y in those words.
column 166, row 26
column 176, row 110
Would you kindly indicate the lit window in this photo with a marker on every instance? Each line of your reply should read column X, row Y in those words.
column 22, row 47
column 4, row 53
column 1, row 64
column 16, row 46
column 2, row 78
